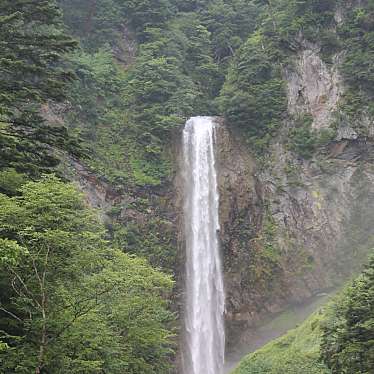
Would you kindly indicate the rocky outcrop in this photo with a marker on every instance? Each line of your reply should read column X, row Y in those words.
column 99, row 194
column 126, row 47
column 313, row 87
column 140, row 220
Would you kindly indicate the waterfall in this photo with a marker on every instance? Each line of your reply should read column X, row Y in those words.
column 204, row 311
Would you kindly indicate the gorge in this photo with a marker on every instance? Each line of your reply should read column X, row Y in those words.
column 137, row 238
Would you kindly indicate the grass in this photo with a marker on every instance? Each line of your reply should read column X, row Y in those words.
column 294, row 353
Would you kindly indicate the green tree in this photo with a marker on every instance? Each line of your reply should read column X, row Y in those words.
column 95, row 23
column 253, row 97
column 230, row 23
column 73, row 304
column 32, row 45
column 144, row 13
column 348, row 332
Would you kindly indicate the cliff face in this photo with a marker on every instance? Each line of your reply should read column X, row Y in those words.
column 313, row 87
column 139, row 220
column 291, row 227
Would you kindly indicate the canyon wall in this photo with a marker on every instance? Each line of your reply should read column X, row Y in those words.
column 292, row 228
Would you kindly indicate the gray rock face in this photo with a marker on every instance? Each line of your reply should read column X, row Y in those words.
column 98, row 193
column 346, row 133
column 320, row 213
column 313, row 87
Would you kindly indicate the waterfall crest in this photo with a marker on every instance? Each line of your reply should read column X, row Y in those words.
column 204, row 311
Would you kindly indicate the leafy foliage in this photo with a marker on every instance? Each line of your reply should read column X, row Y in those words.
column 303, row 140
column 145, row 13
column 32, row 45
column 230, row 23
column 122, row 145
column 152, row 240
column 11, row 181
column 178, row 71
column 96, row 24
column 348, row 332
column 290, row 19
column 74, row 304
column 253, row 97
column 357, row 36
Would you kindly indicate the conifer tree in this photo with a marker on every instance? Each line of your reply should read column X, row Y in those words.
column 348, row 334
column 32, row 45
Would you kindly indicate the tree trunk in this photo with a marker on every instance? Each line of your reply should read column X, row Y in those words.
column 43, row 305
column 43, row 342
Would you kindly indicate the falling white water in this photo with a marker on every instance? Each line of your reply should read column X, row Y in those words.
column 204, row 312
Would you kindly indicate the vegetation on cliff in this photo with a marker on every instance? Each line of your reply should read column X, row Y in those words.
column 163, row 60
column 337, row 339
column 256, row 78
column 356, row 37
column 32, row 46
